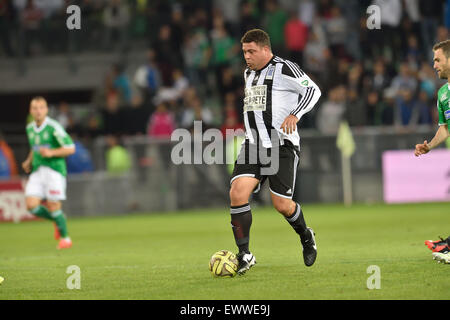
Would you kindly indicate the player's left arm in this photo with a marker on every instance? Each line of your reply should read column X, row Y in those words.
column 67, row 147
column 294, row 79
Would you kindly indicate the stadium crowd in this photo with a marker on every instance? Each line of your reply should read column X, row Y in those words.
column 194, row 66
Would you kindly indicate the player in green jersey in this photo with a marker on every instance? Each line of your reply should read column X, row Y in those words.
column 442, row 66
column 440, row 248
column 50, row 144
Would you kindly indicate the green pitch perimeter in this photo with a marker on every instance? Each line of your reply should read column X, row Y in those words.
column 165, row 256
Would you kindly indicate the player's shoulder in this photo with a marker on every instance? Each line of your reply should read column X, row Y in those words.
column 443, row 88
column 30, row 125
column 55, row 125
column 289, row 68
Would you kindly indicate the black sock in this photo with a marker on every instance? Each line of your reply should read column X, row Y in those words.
column 297, row 221
column 448, row 241
column 241, row 220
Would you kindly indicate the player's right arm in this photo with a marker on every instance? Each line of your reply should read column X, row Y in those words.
column 441, row 135
column 26, row 165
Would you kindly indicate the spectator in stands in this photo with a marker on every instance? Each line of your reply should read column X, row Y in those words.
column 405, row 112
column 404, row 80
column 355, row 112
column 31, row 17
column 391, row 12
column 331, row 113
column 316, row 57
column 161, row 123
column 295, row 38
column 112, row 120
column 248, row 17
column 116, row 17
column 6, row 26
column 379, row 78
column 117, row 82
column 231, row 117
column 273, row 22
column 9, row 159
column 167, row 58
column 224, row 49
column 431, row 17
column 5, row 171
column 197, row 55
column 337, row 32
column 118, row 159
column 229, row 83
column 81, row 160
column 160, row 126
column 147, row 77
column 196, row 112
column 428, row 81
column 424, row 108
column 413, row 54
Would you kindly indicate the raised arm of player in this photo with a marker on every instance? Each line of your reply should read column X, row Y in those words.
column 296, row 80
column 441, row 135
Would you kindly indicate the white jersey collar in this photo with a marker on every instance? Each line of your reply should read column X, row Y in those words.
column 42, row 126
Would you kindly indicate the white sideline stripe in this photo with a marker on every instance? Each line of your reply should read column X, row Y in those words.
column 280, row 195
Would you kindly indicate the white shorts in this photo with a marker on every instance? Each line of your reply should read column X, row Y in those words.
column 46, row 183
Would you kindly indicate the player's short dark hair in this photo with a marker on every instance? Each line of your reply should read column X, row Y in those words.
column 445, row 46
column 260, row 37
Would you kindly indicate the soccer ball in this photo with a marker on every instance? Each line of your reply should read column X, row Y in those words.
column 223, row 263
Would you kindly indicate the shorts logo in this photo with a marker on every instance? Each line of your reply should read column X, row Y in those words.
column 54, row 192
column 305, row 83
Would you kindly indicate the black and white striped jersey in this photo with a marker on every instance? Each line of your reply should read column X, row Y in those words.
column 271, row 94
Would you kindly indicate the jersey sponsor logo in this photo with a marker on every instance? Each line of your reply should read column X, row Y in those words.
column 38, row 146
column 447, row 114
column 255, row 98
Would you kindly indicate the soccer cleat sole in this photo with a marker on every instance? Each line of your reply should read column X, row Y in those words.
column 442, row 257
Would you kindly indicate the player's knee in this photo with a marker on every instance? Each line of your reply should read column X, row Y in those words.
column 32, row 203
column 283, row 206
column 53, row 206
column 238, row 194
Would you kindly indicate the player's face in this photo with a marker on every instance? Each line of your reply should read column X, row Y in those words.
column 38, row 110
column 255, row 56
column 441, row 64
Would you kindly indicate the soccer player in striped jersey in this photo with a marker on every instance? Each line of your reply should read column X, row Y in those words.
column 440, row 248
column 50, row 144
column 277, row 94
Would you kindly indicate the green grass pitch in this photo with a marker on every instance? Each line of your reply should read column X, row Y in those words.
column 165, row 256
